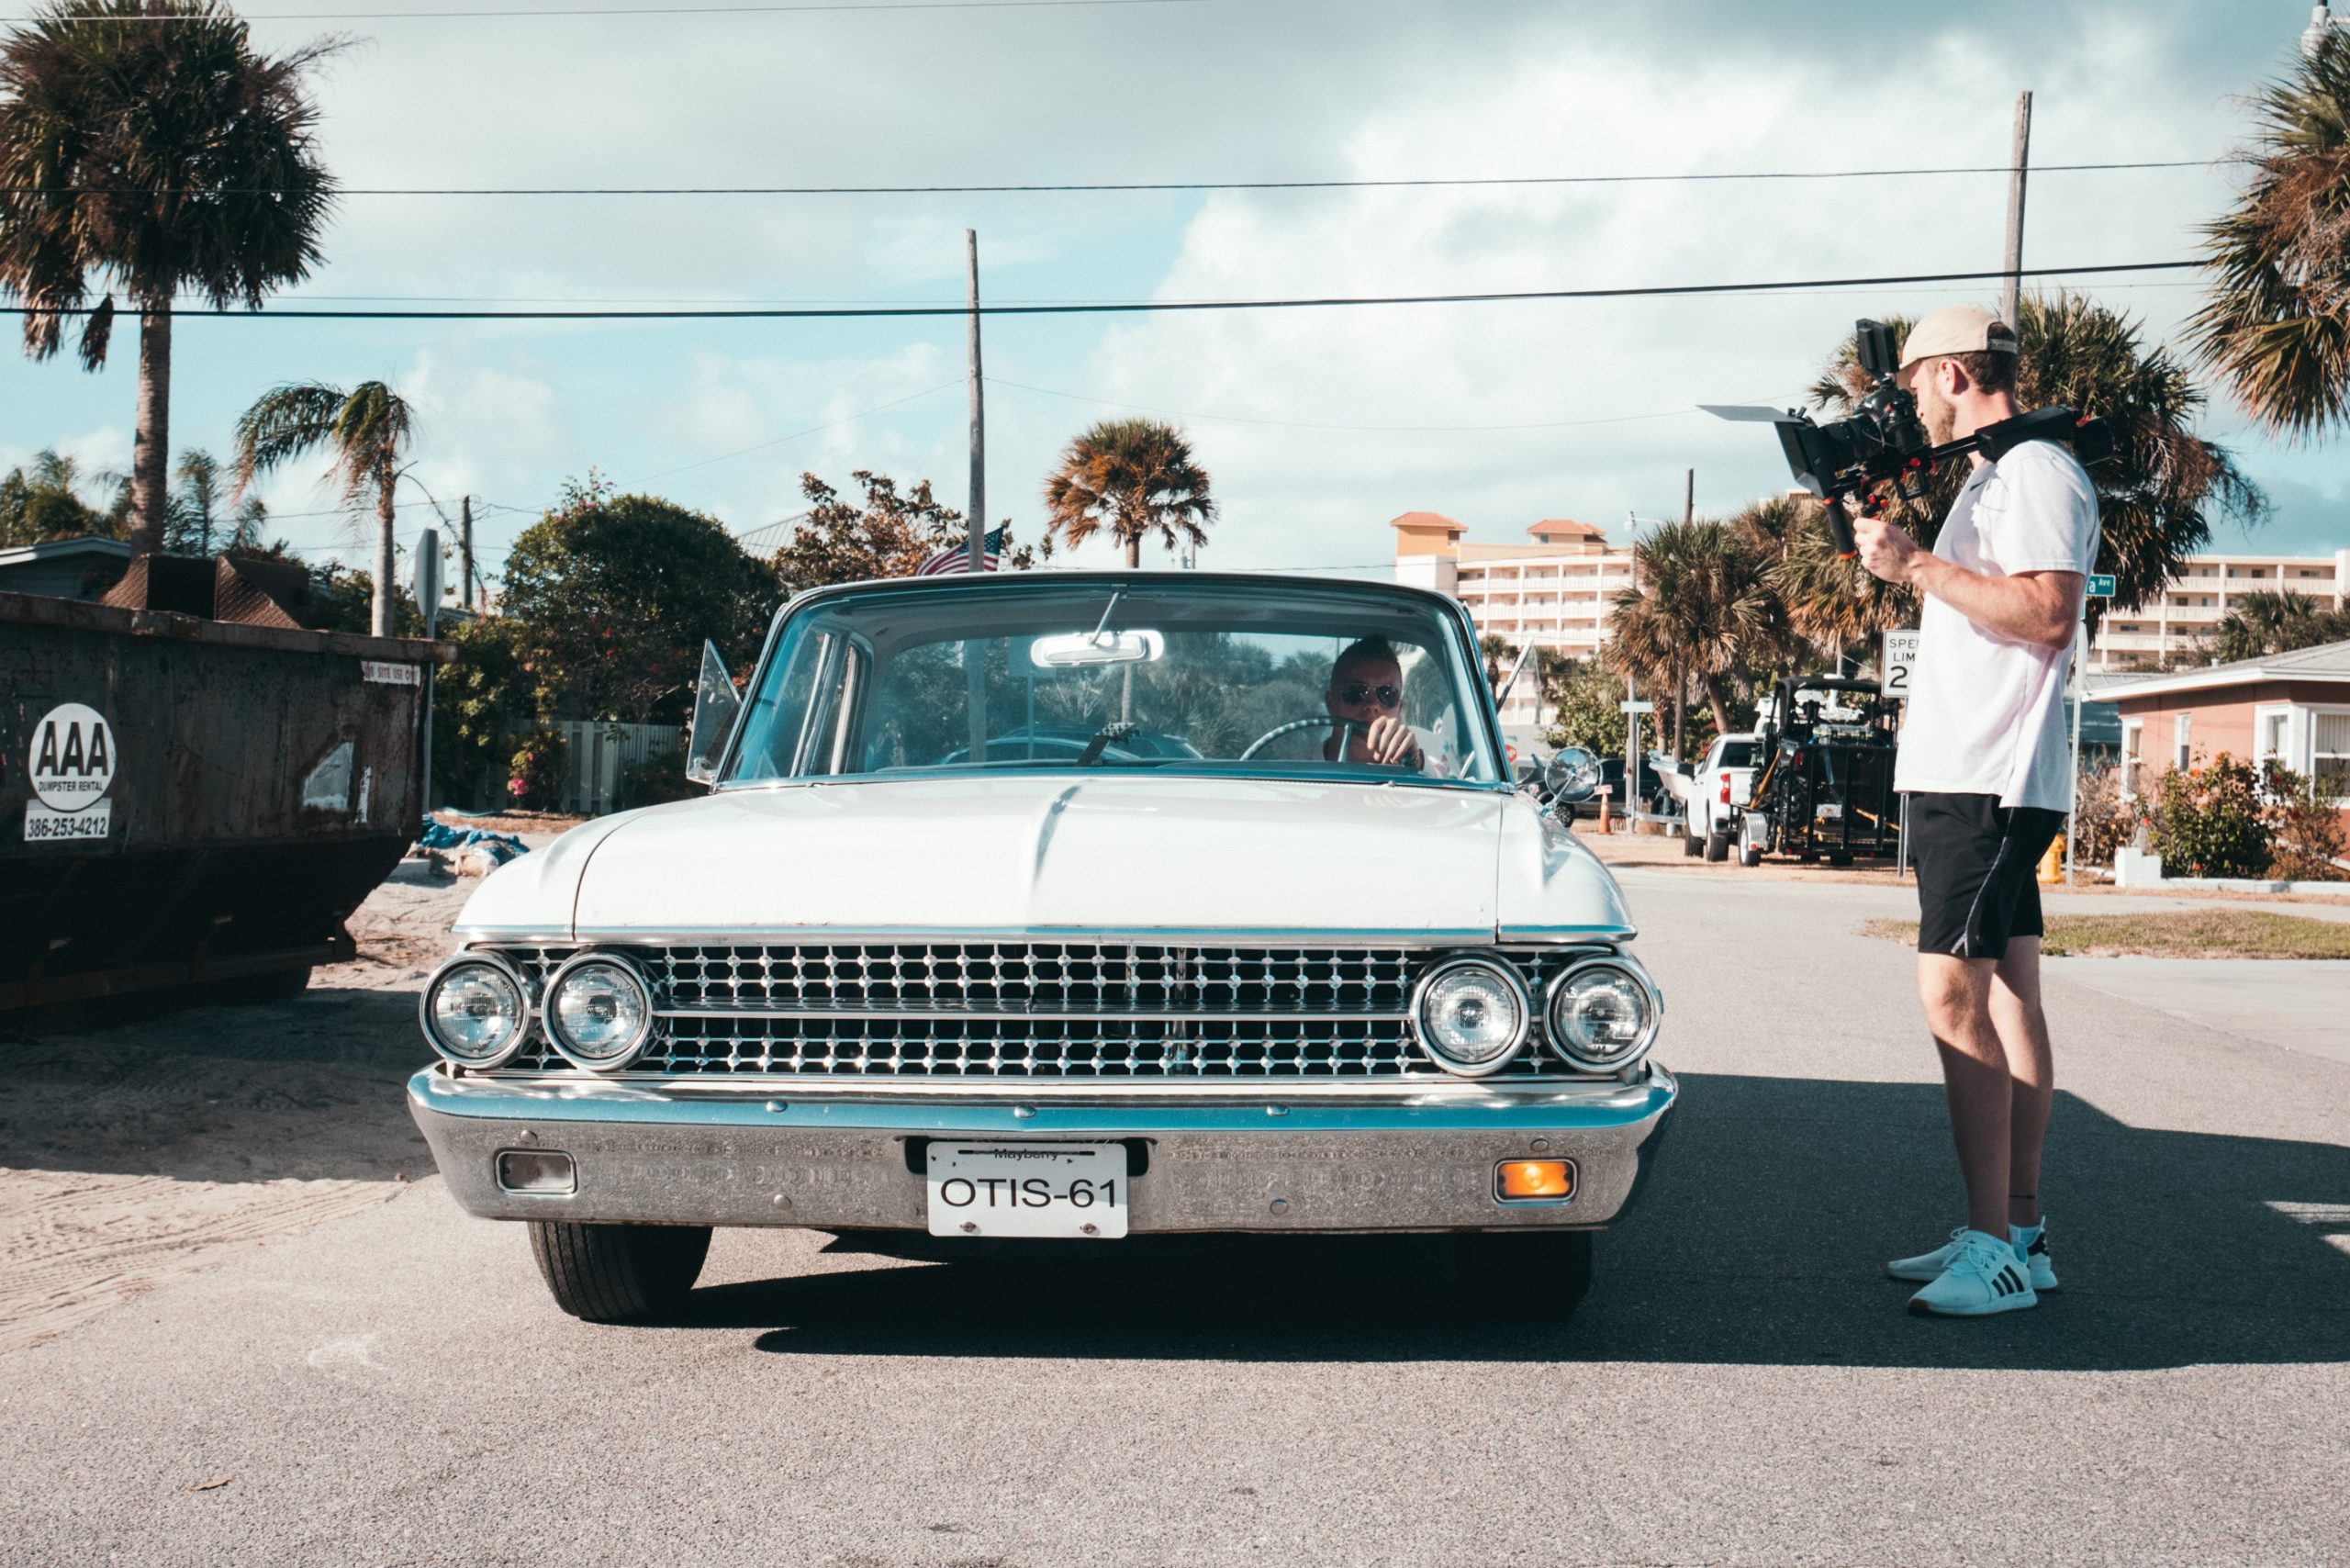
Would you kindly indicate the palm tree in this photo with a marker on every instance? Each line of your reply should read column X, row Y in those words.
column 151, row 158
column 1499, row 652
column 2276, row 323
column 1134, row 480
column 206, row 503
column 1702, row 610
column 2159, row 493
column 1553, row 668
column 2262, row 623
column 368, row 429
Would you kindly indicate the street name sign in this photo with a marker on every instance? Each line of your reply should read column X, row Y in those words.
column 2100, row 585
column 1641, row 705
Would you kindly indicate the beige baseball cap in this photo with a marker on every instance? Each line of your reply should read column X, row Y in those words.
column 1957, row 328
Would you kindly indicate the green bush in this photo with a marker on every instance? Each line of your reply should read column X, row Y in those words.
column 2208, row 821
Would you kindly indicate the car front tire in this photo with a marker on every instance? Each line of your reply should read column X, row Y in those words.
column 619, row 1273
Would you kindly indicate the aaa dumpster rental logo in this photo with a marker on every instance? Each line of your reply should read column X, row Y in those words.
column 71, row 766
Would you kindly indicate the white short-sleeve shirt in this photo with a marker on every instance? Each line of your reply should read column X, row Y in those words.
column 1986, row 712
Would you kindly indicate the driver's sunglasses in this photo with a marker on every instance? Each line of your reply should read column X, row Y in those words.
column 1355, row 692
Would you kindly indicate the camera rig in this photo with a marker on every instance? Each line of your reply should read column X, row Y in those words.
column 1847, row 460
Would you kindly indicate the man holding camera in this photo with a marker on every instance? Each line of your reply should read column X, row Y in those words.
column 1985, row 761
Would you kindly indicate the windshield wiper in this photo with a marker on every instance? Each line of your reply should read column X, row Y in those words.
column 1101, row 737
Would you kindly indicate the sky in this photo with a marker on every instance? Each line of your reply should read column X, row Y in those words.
column 1316, row 426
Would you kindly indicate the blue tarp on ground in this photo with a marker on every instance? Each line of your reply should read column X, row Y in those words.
column 501, row 846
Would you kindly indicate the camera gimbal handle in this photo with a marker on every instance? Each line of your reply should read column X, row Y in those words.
column 1839, row 529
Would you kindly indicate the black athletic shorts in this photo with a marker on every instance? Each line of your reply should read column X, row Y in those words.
column 1978, row 865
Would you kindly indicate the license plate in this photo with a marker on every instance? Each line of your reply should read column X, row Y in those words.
column 1831, row 812
column 1027, row 1189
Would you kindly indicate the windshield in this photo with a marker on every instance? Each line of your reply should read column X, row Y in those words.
column 1278, row 679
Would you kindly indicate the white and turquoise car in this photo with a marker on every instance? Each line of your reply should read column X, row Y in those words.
column 1215, row 968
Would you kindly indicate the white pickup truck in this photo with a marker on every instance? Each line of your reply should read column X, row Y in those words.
column 1717, row 792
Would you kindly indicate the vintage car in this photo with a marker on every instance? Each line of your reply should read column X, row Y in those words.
column 1216, row 969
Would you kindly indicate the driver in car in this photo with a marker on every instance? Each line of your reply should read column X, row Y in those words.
column 1366, row 690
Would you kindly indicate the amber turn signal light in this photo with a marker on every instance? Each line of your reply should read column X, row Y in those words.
column 1536, row 1179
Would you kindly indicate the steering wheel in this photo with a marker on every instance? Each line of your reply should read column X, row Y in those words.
column 1321, row 720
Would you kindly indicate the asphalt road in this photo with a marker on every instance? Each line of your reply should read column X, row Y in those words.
column 392, row 1386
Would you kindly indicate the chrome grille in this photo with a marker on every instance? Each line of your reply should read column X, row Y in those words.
column 1041, row 1011
column 1054, row 977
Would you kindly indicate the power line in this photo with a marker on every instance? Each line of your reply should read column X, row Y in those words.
column 1311, row 425
column 762, row 10
column 1141, row 306
column 1468, row 182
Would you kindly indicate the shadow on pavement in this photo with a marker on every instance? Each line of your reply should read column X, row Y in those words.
column 308, row 1087
column 1760, row 1241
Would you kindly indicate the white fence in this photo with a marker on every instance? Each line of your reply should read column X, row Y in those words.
column 595, row 754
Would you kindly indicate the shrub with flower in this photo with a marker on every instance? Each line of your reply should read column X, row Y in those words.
column 536, row 771
column 2306, row 837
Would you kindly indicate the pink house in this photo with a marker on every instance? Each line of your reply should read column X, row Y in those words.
column 2292, row 709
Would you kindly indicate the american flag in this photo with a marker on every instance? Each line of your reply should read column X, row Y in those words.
column 957, row 557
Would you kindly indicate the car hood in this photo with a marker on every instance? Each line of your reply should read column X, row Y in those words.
column 1053, row 853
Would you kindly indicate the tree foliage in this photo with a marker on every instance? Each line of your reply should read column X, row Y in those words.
column 365, row 431
column 612, row 596
column 2263, row 622
column 204, row 517
column 1701, row 606
column 887, row 534
column 1133, row 479
column 2276, row 322
column 156, row 159
column 44, row 501
column 1589, row 712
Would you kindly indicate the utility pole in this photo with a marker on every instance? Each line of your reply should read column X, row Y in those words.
column 974, row 659
column 428, row 598
column 2009, row 301
column 977, row 517
column 465, row 548
column 1631, row 689
column 1680, row 676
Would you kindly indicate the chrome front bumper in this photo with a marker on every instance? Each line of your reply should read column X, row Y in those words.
column 1416, row 1158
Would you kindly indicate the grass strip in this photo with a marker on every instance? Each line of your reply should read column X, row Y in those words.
column 2174, row 933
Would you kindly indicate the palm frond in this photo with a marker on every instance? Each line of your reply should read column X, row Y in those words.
column 2275, row 325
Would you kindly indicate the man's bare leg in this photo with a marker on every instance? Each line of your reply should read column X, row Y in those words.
column 1958, row 996
column 2023, row 1033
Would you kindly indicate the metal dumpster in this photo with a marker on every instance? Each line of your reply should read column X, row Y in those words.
column 185, row 801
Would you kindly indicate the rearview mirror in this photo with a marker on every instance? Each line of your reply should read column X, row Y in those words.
column 1075, row 650
column 715, row 707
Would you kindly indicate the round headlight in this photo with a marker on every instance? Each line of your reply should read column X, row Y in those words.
column 1473, row 1015
column 1602, row 1015
column 599, row 1013
column 475, row 1010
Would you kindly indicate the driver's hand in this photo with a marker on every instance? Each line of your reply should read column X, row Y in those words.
column 1389, row 743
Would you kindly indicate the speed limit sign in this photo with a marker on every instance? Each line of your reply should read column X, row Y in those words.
column 1899, row 658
